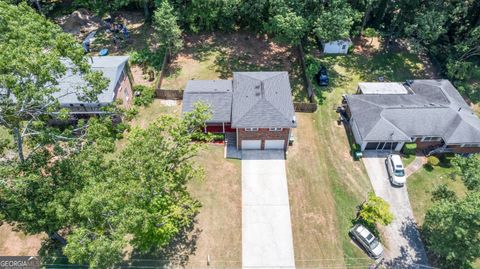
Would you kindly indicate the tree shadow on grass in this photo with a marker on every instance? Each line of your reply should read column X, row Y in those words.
column 175, row 254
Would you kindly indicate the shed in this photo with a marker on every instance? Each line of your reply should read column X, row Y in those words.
column 337, row 46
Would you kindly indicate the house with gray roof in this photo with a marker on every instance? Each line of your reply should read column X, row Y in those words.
column 114, row 68
column 430, row 113
column 255, row 106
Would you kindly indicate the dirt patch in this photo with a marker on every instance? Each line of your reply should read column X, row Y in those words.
column 218, row 55
column 14, row 243
column 366, row 46
column 139, row 77
column 79, row 22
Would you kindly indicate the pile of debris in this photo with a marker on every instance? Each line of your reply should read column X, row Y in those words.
column 79, row 22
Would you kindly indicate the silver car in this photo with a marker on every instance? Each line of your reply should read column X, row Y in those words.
column 371, row 244
column 395, row 169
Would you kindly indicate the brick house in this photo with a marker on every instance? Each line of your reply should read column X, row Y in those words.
column 256, row 106
column 430, row 113
column 114, row 68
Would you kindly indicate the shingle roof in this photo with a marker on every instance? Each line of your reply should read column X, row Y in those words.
column 434, row 109
column 70, row 84
column 215, row 93
column 262, row 100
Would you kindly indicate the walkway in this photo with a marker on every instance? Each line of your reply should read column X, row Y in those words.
column 266, row 227
column 417, row 164
column 404, row 248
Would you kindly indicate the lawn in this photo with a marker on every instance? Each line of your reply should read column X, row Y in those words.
column 217, row 230
column 218, row 55
column 325, row 183
column 423, row 182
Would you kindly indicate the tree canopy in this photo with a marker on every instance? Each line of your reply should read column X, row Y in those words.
column 34, row 54
column 375, row 210
column 144, row 202
column 469, row 170
column 451, row 230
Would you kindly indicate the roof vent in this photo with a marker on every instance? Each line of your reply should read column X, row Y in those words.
column 409, row 82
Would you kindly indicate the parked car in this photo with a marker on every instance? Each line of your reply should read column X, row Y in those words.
column 395, row 169
column 368, row 241
column 322, row 76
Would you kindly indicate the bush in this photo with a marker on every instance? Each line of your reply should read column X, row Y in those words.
column 433, row 161
column 145, row 95
column 131, row 113
column 147, row 58
column 442, row 192
column 410, row 149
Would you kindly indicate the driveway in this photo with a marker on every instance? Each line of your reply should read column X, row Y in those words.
column 402, row 239
column 266, row 227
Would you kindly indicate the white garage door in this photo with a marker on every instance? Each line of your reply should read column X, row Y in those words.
column 251, row 144
column 274, row 144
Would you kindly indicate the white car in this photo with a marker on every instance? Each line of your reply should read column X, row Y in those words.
column 395, row 169
column 367, row 240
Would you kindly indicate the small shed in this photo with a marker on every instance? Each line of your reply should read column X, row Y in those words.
column 337, row 46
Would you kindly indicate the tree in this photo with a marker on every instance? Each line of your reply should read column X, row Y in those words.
column 144, row 201
column 34, row 54
column 35, row 194
column 452, row 230
column 469, row 170
column 288, row 28
column 335, row 22
column 375, row 210
column 167, row 31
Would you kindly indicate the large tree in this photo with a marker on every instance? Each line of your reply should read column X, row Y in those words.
column 452, row 230
column 144, row 202
column 167, row 31
column 34, row 54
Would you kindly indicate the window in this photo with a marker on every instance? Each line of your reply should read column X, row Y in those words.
column 344, row 47
column 470, row 145
column 275, row 129
column 125, row 92
column 251, row 129
column 431, row 138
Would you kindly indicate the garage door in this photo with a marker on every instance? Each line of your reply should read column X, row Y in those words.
column 251, row 144
column 274, row 144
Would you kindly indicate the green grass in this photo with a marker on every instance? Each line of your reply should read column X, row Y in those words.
column 325, row 183
column 408, row 159
column 423, row 182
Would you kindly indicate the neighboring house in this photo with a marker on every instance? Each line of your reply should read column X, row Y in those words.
column 256, row 106
column 430, row 113
column 114, row 68
column 337, row 46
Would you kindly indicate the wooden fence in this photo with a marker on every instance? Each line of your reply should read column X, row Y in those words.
column 169, row 94
column 305, row 107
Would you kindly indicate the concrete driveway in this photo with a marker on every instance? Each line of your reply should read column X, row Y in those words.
column 266, row 226
column 402, row 239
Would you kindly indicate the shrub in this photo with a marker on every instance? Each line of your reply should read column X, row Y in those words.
column 442, row 192
column 410, row 149
column 375, row 210
column 145, row 95
column 147, row 58
column 433, row 161
column 131, row 113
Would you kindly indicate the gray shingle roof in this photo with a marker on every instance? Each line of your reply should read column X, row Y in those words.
column 70, row 84
column 215, row 93
column 262, row 100
column 434, row 109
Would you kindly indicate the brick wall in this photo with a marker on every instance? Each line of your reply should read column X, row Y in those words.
column 426, row 144
column 459, row 149
column 124, row 91
column 262, row 134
